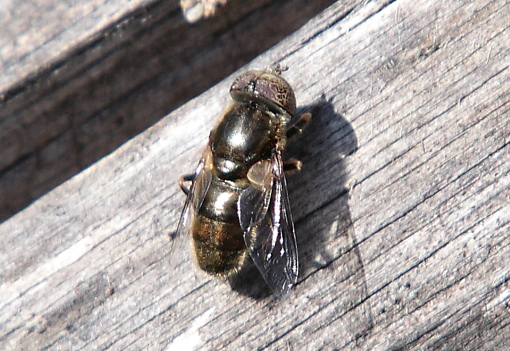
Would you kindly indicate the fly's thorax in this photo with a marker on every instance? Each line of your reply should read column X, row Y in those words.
column 245, row 134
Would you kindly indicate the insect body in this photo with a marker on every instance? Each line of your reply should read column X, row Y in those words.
column 237, row 204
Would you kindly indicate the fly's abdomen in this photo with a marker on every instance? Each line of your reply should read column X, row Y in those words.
column 217, row 236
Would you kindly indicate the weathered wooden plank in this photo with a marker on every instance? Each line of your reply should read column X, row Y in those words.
column 78, row 80
column 402, row 207
column 34, row 32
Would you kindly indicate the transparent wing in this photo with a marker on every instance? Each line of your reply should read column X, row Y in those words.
column 199, row 186
column 264, row 215
column 196, row 194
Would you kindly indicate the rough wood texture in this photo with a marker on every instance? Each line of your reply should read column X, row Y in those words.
column 402, row 207
column 79, row 79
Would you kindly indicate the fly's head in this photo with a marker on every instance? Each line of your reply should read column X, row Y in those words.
column 266, row 87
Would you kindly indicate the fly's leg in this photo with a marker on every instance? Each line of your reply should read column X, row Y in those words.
column 292, row 166
column 301, row 123
column 183, row 179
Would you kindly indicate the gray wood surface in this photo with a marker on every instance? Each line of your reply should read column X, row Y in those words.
column 401, row 209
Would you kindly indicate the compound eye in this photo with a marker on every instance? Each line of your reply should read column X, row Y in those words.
column 265, row 86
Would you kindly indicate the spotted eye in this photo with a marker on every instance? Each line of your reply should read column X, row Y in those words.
column 265, row 86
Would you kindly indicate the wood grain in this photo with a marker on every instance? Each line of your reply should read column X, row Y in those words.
column 401, row 209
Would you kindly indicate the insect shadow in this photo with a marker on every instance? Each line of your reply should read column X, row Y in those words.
column 319, row 201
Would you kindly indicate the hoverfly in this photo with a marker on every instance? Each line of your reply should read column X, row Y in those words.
column 238, row 204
